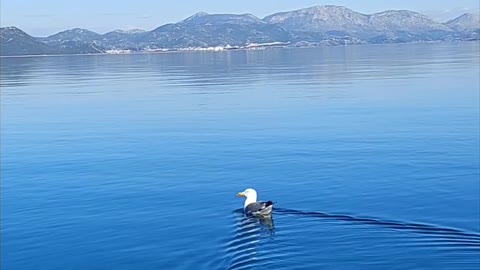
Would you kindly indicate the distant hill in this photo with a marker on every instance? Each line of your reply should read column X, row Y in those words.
column 14, row 41
column 76, row 34
column 203, row 30
column 313, row 26
column 321, row 19
column 343, row 21
column 465, row 22
column 75, row 41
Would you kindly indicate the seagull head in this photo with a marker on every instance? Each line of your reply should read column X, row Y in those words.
column 249, row 193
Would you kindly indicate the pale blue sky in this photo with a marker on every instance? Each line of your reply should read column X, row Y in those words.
column 41, row 18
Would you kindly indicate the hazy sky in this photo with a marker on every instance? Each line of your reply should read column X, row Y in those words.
column 41, row 18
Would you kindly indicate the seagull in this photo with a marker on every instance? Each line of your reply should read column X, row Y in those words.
column 252, row 207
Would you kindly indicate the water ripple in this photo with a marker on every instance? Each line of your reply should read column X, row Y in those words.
column 255, row 246
column 448, row 233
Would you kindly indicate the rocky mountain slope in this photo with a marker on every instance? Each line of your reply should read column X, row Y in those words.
column 336, row 19
column 314, row 26
column 465, row 22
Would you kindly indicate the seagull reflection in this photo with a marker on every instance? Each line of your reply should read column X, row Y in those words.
column 249, row 232
column 262, row 223
column 266, row 223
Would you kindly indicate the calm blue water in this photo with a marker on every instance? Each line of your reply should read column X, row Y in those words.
column 371, row 154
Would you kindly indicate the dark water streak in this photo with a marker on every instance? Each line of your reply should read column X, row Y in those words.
column 455, row 235
column 242, row 250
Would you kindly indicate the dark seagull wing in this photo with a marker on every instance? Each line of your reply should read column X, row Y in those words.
column 259, row 208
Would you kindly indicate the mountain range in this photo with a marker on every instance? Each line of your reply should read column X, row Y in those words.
column 314, row 26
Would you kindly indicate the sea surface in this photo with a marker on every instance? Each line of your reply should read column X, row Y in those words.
column 370, row 153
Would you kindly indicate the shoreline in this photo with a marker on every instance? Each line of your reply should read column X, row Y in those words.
column 259, row 48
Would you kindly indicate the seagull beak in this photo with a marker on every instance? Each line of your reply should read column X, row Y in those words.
column 241, row 194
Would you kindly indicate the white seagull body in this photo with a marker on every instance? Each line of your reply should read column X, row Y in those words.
column 252, row 207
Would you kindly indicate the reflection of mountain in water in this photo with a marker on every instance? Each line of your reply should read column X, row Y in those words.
column 314, row 69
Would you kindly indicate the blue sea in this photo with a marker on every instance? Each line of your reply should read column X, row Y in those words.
column 370, row 153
